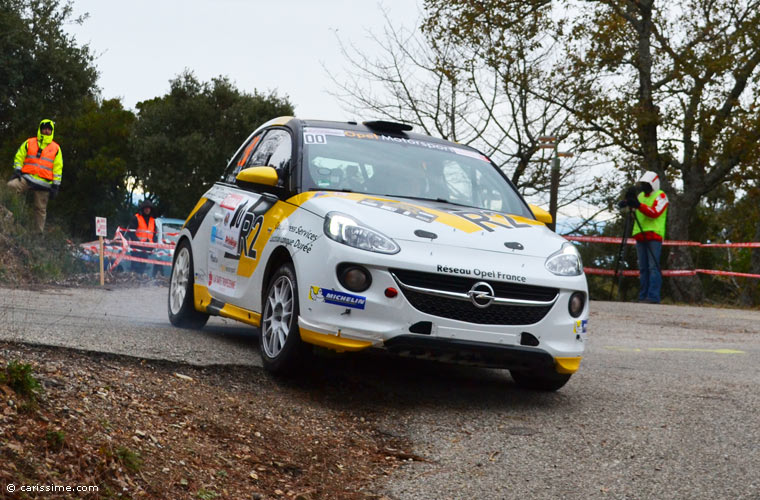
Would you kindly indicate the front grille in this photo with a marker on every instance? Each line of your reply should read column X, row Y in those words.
column 462, row 310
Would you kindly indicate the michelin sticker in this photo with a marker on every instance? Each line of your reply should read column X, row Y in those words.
column 328, row 296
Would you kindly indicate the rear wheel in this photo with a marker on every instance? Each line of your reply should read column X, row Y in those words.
column 282, row 350
column 540, row 381
column 182, row 311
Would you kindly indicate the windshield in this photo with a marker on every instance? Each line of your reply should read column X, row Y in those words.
column 373, row 163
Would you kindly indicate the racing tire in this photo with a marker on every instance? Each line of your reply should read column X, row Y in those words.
column 540, row 381
column 282, row 351
column 181, row 303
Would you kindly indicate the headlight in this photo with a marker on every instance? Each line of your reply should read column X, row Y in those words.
column 347, row 230
column 565, row 262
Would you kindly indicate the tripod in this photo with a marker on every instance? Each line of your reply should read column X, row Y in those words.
column 621, row 252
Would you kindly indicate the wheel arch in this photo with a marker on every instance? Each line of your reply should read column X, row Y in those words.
column 280, row 256
column 182, row 238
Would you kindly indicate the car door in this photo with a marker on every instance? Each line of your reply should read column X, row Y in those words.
column 238, row 219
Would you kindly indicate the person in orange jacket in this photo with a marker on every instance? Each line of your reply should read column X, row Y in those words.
column 142, row 228
column 38, row 166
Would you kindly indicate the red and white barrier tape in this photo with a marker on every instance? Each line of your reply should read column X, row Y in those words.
column 126, row 246
column 676, row 243
column 136, row 259
column 666, row 272
column 677, row 272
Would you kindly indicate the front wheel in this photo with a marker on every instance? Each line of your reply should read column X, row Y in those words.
column 282, row 350
column 540, row 381
column 182, row 312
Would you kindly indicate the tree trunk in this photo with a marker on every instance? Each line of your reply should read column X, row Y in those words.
column 685, row 288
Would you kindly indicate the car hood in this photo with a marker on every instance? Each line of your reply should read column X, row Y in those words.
column 405, row 219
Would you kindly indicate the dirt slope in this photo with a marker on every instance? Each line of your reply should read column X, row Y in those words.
column 139, row 429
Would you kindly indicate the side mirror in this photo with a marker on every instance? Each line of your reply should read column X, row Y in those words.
column 258, row 175
column 541, row 214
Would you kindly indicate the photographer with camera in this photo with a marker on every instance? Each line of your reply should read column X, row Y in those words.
column 650, row 209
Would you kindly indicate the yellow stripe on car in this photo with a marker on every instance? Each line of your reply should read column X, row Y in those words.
column 461, row 222
column 202, row 297
column 567, row 365
column 334, row 342
column 240, row 314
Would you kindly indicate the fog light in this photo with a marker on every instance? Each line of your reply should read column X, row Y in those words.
column 575, row 306
column 354, row 277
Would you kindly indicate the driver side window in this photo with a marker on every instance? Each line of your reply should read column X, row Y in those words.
column 238, row 163
column 274, row 151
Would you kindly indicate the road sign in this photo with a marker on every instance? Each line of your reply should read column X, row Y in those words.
column 101, row 226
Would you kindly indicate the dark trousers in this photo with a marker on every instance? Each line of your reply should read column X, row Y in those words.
column 650, row 277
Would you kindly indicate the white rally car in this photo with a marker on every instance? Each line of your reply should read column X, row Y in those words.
column 350, row 236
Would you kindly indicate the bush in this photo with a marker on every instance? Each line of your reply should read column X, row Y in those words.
column 26, row 255
column 18, row 376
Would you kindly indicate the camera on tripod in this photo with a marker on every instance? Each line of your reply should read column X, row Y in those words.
column 631, row 198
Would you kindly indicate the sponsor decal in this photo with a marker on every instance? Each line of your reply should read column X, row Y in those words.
column 226, row 233
column 314, row 135
column 485, row 220
column 231, row 201
column 488, row 220
column 303, row 232
column 297, row 237
column 221, row 283
column 481, row 273
column 580, row 326
column 401, row 208
column 329, row 296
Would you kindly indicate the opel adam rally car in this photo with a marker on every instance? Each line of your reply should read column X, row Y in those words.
column 351, row 236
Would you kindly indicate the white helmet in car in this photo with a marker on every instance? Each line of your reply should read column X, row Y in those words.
column 652, row 178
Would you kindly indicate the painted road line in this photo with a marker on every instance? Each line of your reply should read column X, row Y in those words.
column 673, row 349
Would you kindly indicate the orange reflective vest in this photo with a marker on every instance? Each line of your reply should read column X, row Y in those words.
column 145, row 231
column 38, row 162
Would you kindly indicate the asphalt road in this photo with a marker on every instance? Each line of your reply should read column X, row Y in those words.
column 666, row 403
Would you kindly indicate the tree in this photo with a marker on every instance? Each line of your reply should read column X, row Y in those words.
column 43, row 72
column 459, row 93
column 96, row 154
column 669, row 87
column 181, row 141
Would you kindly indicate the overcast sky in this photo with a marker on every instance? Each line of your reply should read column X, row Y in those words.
column 282, row 45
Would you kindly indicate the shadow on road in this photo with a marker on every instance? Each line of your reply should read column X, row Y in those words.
column 381, row 380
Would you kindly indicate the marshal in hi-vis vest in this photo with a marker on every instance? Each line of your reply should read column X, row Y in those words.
column 647, row 224
column 38, row 162
column 145, row 231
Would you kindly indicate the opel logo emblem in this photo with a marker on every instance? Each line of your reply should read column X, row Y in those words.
column 481, row 294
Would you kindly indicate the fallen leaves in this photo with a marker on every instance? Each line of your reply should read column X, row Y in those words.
column 144, row 430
